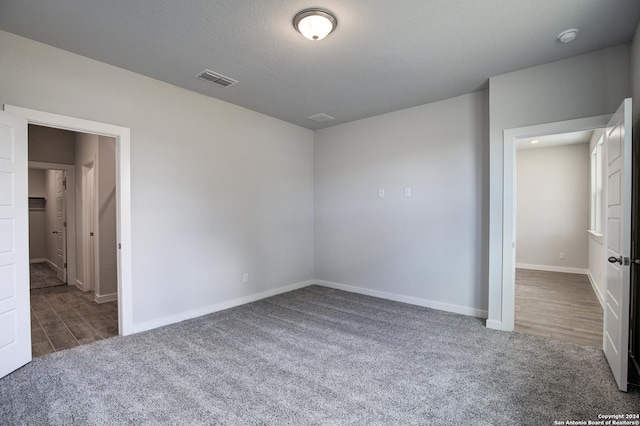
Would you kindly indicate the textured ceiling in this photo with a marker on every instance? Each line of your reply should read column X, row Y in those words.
column 383, row 56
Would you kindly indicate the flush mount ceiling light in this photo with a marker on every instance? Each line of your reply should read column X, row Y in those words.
column 315, row 24
column 568, row 35
column 535, row 141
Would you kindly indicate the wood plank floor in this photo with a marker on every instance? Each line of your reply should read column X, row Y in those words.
column 64, row 317
column 43, row 275
column 559, row 306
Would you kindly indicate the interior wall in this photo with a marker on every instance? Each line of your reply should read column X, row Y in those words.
column 37, row 186
column 50, row 145
column 101, row 150
column 241, row 183
column 428, row 246
column 597, row 252
column 37, row 217
column 552, row 207
column 217, row 190
column 583, row 86
column 108, row 268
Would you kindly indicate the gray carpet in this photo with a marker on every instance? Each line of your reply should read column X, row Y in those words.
column 317, row 356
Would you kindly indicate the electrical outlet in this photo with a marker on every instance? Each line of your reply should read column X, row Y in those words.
column 245, row 278
column 407, row 191
column 561, row 256
column 381, row 192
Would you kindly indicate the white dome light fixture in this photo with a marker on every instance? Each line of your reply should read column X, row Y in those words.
column 568, row 35
column 315, row 24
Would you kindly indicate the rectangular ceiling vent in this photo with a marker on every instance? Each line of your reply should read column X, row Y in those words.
column 215, row 78
column 321, row 118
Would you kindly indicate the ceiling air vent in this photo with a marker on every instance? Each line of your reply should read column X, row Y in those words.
column 321, row 118
column 215, row 78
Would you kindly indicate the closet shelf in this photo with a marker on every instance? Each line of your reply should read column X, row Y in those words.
column 37, row 203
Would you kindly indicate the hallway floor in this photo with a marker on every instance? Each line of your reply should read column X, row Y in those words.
column 43, row 275
column 64, row 317
column 559, row 306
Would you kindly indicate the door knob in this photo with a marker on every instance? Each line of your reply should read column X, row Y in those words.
column 614, row 259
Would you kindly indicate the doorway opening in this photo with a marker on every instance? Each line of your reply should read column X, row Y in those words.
column 558, row 277
column 48, row 247
column 507, row 283
column 617, row 236
column 121, row 195
column 72, row 303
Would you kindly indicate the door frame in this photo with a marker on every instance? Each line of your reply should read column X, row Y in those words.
column 507, row 287
column 63, row 229
column 89, row 212
column 70, row 196
column 122, row 136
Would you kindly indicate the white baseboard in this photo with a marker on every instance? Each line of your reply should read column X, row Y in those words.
column 39, row 260
column 52, row 264
column 205, row 310
column 595, row 289
column 552, row 268
column 472, row 312
column 104, row 298
column 80, row 285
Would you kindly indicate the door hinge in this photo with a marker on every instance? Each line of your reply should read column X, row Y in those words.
column 64, row 224
column 65, row 265
column 119, row 246
column 64, row 183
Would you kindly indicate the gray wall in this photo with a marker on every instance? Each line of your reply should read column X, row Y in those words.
column 37, row 218
column 36, row 183
column 232, row 190
column 102, row 151
column 108, row 270
column 217, row 190
column 51, row 145
column 428, row 246
column 582, row 86
column 553, row 206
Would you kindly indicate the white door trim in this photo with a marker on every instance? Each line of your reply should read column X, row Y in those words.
column 90, row 221
column 507, row 287
column 123, row 195
column 71, row 212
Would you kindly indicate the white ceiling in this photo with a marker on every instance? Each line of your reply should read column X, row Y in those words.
column 550, row 141
column 383, row 56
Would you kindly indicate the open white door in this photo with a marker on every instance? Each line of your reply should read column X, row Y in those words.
column 15, row 320
column 618, row 243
